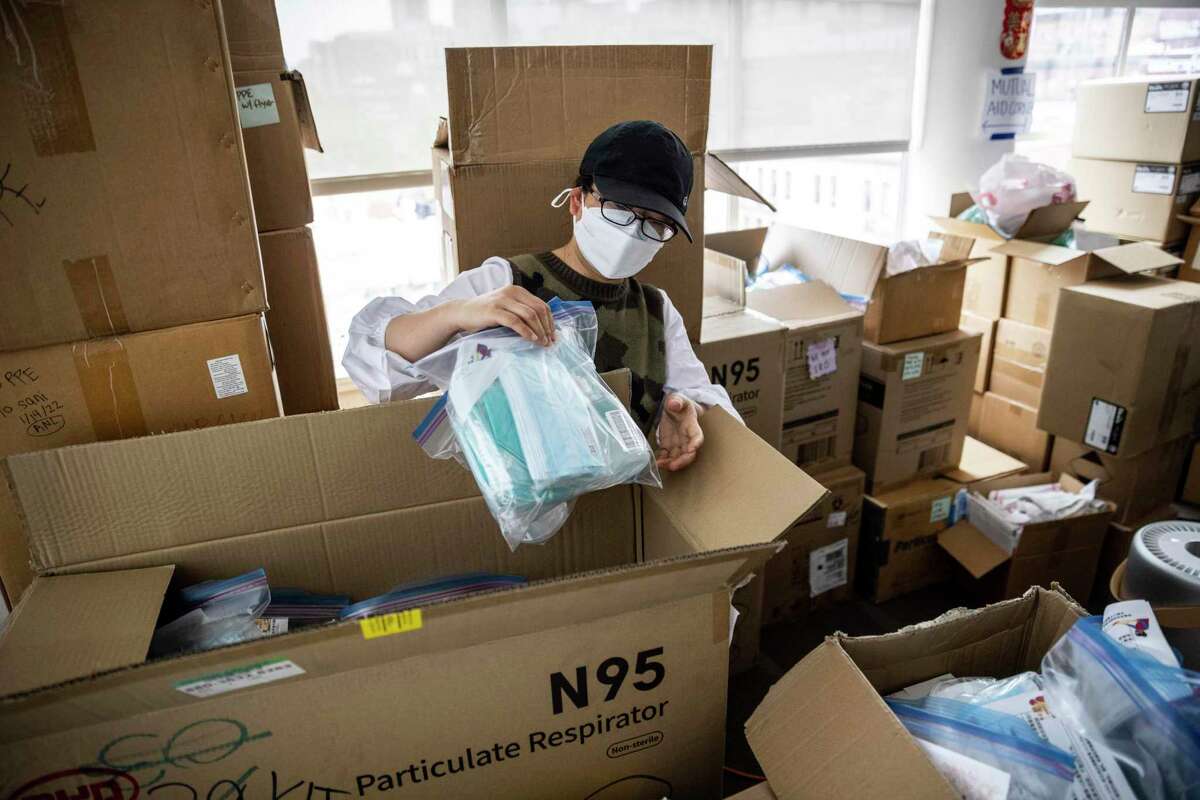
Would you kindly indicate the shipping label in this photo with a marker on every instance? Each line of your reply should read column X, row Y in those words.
column 228, row 379
column 1105, row 423
column 240, row 678
column 827, row 567
column 1167, row 98
column 1154, row 179
column 1189, row 182
column 836, row 519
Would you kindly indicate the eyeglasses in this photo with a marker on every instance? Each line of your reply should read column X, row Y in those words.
column 621, row 214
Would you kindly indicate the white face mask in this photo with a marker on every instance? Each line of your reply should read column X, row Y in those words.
column 616, row 251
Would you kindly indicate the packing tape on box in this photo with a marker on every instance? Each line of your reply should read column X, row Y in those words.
column 106, row 380
column 55, row 110
column 96, row 295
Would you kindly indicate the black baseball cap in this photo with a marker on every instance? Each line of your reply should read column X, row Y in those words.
column 642, row 163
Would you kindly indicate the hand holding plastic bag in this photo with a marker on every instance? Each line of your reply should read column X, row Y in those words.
column 1014, row 186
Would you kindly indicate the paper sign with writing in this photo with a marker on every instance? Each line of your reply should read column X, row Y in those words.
column 1008, row 104
column 822, row 358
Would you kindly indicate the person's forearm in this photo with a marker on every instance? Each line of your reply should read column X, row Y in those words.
column 414, row 336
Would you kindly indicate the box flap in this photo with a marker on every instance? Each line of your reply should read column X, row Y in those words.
column 956, row 250
column 959, row 227
column 1050, row 254
column 744, row 245
column 917, row 490
column 513, row 104
column 981, row 462
column 1049, row 221
column 848, row 265
column 71, row 626
column 720, row 177
column 800, row 303
column 969, row 547
column 304, row 112
column 737, row 324
column 772, row 493
column 1136, row 257
column 960, row 202
column 823, row 731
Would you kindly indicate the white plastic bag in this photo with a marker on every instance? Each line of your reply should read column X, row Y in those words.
column 1014, row 186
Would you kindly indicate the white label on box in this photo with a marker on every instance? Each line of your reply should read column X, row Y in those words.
column 913, row 364
column 822, row 358
column 940, row 509
column 1189, row 182
column 271, row 626
column 240, row 678
column 1008, row 107
column 1153, row 179
column 1167, row 98
column 827, row 567
column 1104, row 426
column 227, row 377
column 835, row 520
column 256, row 106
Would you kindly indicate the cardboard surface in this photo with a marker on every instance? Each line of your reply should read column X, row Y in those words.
column 914, row 400
column 818, row 413
column 1123, row 362
column 980, row 462
column 1017, row 382
column 976, row 418
column 252, row 32
column 1135, row 199
column 274, row 149
column 296, row 322
column 983, row 291
column 201, row 375
column 97, row 242
column 986, row 328
column 743, row 352
column 1012, row 427
column 747, row 602
column 1137, row 119
column 1138, row 485
column 1189, row 270
column 1190, row 493
column 843, row 679
column 898, row 550
column 1022, row 344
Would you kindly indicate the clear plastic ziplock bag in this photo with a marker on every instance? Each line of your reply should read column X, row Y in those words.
column 1143, row 711
column 537, row 426
column 217, row 613
column 410, row 595
column 986, row 753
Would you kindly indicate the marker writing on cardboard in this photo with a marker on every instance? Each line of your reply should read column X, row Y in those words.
column 22, row 195
column 203, row 742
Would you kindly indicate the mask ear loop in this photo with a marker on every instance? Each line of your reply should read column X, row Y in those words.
column 560, row 199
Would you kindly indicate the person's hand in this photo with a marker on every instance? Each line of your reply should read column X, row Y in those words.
column 512, row 307
column 679, row 434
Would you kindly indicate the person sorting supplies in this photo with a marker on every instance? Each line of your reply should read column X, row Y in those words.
column 627, row 203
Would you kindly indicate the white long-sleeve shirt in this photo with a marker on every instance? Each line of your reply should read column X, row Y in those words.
column 383, row 375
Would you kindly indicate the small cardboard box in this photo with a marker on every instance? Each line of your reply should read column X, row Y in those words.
column 1190, row 493
column 816, row 568
column 636, row 578
column 1004, row 560
column 822, row 730
column 981, row 463
column 818, row 413
column 1018, row 382
column 914, row 399
column 195, row 376
column 1138, row 485
column 1022, row 344
column 107, row 232
column 1012, row 427
column 1137, row 200
column 505, row 145
column 1124, row 369
column 1136, row 119
column 1037, row 272
column 986, row 328
column 743, row 351
column 296, row 322
column 898, row 550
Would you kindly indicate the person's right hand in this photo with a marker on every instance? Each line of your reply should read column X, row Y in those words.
column 514, row 308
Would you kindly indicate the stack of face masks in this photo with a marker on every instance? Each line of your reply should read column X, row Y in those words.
column 537, row 426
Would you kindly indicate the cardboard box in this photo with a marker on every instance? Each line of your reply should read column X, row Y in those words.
column 640, row 578
column 746, row 637
column 986, row 328
column 976, row 418
column 1137, row 119
column 898, row 550
column 104, row 232
column 865, row 751
column 1137, row 485
column 1012, row 427
column 818, row 413
column 743, row 352
column 816, row 568
column 1124, row 372
column 253, row 36
column 1017, row 382
column 1137, row 200
column 1189, row 270
column 981, row 463
column 271, row 131
column 1190, row 493
column 1037, row 272
column 296, row 322
column 1022, row 344
column 201, row 375
column 502, row 145
column 914, row 399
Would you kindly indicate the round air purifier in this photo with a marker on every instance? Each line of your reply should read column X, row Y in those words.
column 1164, row 564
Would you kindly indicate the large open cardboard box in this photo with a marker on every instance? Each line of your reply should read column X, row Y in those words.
column 607, row 672
column 822, row 730
column 510, row 151
column 1138, row 486
column 898, row 550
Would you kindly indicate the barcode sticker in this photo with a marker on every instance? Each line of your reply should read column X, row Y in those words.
column 1167, row 98
column 822, row 358
column 914, row 363
column 835, row 520
column 940, row 509
column 623, row 428
column 228, row 379
column 1154, row 178
column 1104, row 426
column 240, row 678
column 256, row 106
column 827, row 568
column 389, row 624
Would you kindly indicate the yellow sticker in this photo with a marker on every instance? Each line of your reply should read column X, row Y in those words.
column 387, row 624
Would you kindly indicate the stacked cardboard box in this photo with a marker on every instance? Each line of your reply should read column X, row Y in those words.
column 1189, row 270
column 1136, row 153
column 133, row 294
column 277, row 125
